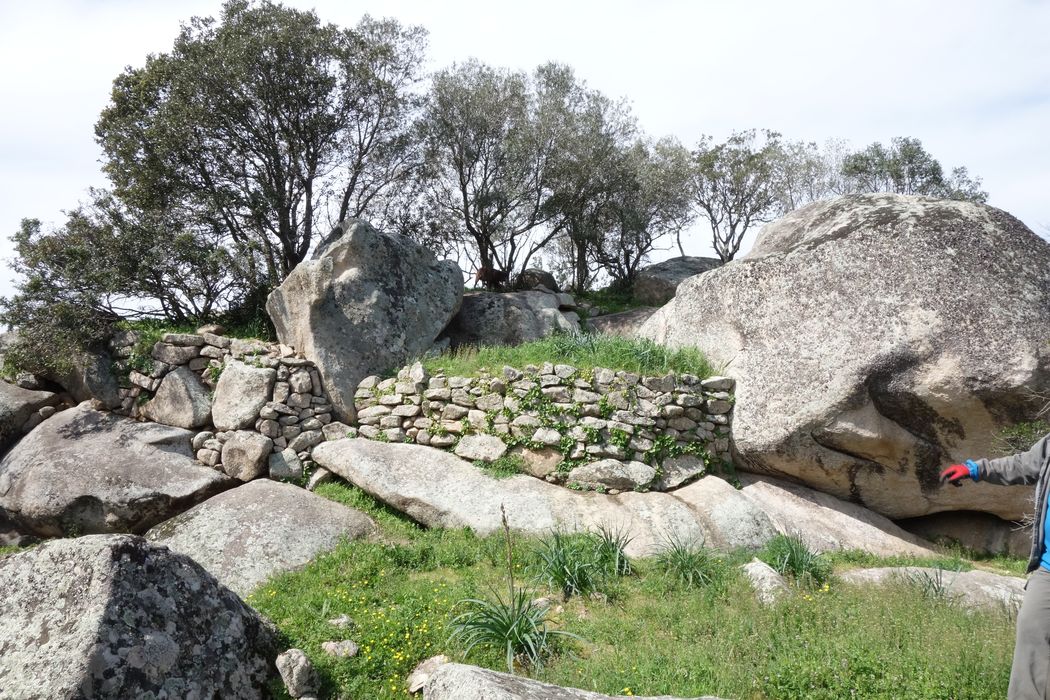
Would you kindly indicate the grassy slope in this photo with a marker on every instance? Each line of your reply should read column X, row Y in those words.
column 583, row 351
column 651, row 636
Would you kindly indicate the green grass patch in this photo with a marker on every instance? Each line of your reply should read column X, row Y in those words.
column 1019, row 437
column 582, row 350
column 10, row 549
column 506, row 466
column 610, row 300
column 658, row 634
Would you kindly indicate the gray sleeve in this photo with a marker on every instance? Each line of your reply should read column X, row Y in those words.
column 1021, row 468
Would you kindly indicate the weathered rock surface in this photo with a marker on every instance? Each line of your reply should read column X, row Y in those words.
column 368, row 301
column 534, row 277
column 612, row 474
column 971, row 589
column 513, row 318
column 242, row 390
column 246, row 535
column 876, row 339
column 980, row 532
column 439, row 489
column 84, row 471
column 246, row 455
column 181, row 401
column 827, row 523
column 769, row 586
column 91, row 377
column 16, row 406
column 484, row 448
column 461, row 682
column 656, row 284
column 298, row 673
column 624, row 323
column 112, row 617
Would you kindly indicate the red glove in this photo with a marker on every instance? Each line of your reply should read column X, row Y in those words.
column 955, row 474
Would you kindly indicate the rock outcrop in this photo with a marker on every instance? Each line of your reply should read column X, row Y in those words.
column 970, row 589
column 876, row 339
column 512, row 318
column 534, row 277
column 368, row 301
column 246, row 535
column 624, row 324
column 109, row 616
column 461, row 682
column 181, row 401
column 84, row 471
column 16, row 406
column 657, row 284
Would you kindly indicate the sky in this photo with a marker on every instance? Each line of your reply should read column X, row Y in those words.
column 970, row 78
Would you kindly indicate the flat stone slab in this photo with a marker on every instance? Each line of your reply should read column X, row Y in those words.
column 84, row 471
column 248, row 534
column 110, row 616
column 971, row 589
column 438, row 489
column 827, row 523
column 461, row 682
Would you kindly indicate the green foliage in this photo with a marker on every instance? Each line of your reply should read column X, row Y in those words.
column 611, row 300
column 570, row 563
column 905, row 167
column 790, row 556
column 690, row 564
column 517, row 626
column 611, row 544
column 844, row 642
column 1019, row 437
column 584, row 351
column 506, row 466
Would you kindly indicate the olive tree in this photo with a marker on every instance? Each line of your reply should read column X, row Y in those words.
column 905, row 167
column 263, row 122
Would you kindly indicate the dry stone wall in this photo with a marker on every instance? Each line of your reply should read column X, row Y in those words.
column 587, row 429
column 259, row 409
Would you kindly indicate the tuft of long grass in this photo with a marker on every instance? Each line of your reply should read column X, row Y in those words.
column 611, row 544
column 790, row 556
column 691, row 564
column 570, row 563
column 582, row 350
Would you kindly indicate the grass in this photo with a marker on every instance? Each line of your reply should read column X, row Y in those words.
column 610, row 300
column 581, row 350
column 790, row 556
column 656, row 636
column 506, row 466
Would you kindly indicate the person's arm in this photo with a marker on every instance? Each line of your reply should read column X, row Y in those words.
column 1020, row 468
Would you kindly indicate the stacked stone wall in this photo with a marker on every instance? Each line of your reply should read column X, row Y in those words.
column 261, row 409
column 599, row 429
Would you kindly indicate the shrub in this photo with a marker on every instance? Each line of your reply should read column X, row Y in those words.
column 570, row 563
column 1019, row 437
column 689, row 563
column 790, row 556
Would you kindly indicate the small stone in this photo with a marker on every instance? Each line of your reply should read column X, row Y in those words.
column 245, row 455
column 285, row 465
column 336, row 430
column 718, row 406
column 185, row 339
column 300, row 382
column 344, row 621
column 320, row 476
column 484, row 448
column 306, row 440
column 344, row 649
column 547, row 436
column 200, row 438
column 442, row 440
column 270, row 428
column 453, row 412
column 209, row 457
column 718, row 384
column 564, row 371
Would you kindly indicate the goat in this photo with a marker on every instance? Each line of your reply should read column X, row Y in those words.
column 491, row 278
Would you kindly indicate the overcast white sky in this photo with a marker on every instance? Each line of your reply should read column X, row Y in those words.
column 971, row 79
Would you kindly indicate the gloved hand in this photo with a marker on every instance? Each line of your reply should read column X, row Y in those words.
column 955, row 474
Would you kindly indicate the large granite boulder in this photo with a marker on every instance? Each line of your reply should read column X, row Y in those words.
column 876, row 339
column 511, row 318
column 826, row 523
column 438, row 489
column 181, row 401
column 970, row 589
column 240, row 394
column 84, row 471
column 16, row 406
column 534, row 277
column 367, row 302
column 246, row 535
column 110, row 616
column 657, row 284
column 462, row 682
column 90, row 377
column 624, row 323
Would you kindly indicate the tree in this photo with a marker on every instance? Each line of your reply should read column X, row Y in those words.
column 104, row 264
column 491, row 136
column 905, row 167
column 735, row 185
column 259, row 123
column 589, row 170
column 652, row 202
column 807, row 173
